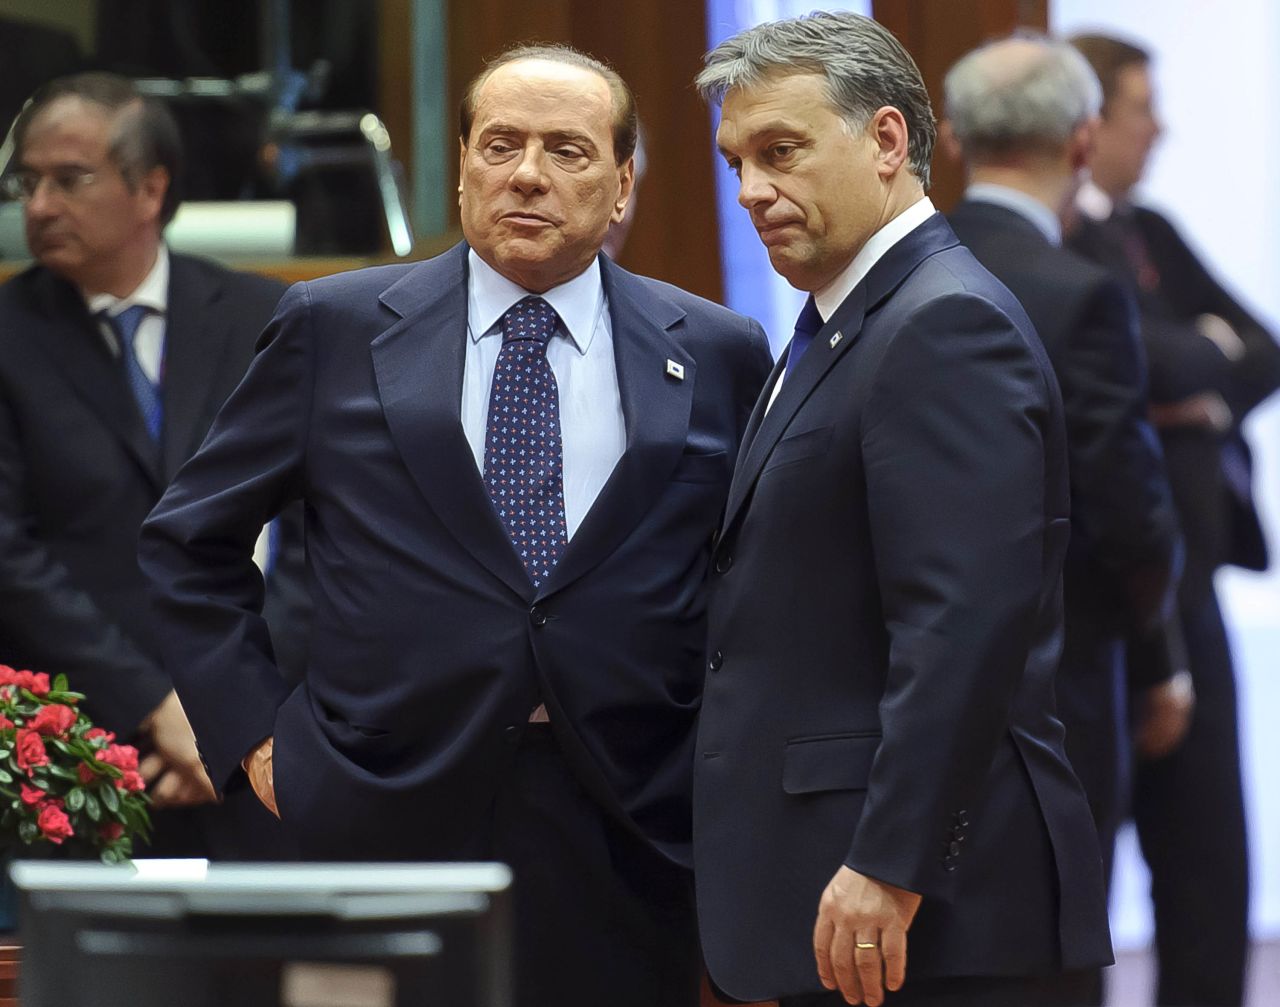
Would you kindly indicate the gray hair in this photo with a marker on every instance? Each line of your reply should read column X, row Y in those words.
column 864, row 65
column 1018, row 93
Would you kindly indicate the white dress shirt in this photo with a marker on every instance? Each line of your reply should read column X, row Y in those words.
column 148, row 342
column 593, row 434
column 830, row 297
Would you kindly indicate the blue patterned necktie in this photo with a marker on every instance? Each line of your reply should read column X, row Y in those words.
column 145, row 391
column 807, row 326
column 523, row 459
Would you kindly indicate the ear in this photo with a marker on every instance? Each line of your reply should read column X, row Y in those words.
column 1080, row 145
column 888, row 129
column 462, row 166
column 626, row 186
column 151, row 191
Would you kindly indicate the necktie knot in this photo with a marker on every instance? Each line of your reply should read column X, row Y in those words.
column 125, row 324
column 531, row 319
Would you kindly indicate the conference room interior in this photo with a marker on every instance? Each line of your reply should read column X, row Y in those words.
column 322, row 136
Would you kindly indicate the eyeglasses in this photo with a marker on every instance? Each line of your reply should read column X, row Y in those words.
column 66, row 182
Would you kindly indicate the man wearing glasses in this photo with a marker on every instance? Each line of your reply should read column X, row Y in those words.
column 115, row 355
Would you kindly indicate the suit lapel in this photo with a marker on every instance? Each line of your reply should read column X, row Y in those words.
column 75, row 342
column 655, row 407
column 831, row 343
column 418, row 364
column 195, row 340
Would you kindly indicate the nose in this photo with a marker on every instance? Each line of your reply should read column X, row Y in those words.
column 754, row 188
column 43, row 201
column 530, row 175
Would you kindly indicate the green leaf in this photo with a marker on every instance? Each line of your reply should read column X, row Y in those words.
column 110, row 855
column 109, row 796
column 60, row 683
column 75, row 799
column 5, row 776
column 28, row 831
column 92, row 808
column 62, row 772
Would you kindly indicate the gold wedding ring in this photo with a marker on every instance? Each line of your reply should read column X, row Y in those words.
column 864, row 946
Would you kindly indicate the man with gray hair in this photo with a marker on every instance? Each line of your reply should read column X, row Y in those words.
column 877, row 750
column 1022, row 112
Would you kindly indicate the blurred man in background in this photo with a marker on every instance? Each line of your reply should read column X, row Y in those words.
column 115, row 354
column 1023, row 112
column 1211, row 362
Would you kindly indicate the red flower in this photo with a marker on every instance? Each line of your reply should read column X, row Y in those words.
column 7, row 675
column 29, row 750
column 110, row 831
column 54, row 823
column 123, row 757
column 32, row 796
column 39, row 684
column 85, row 772
column 54, row 719
column 94, row 733
column 5, row 723
column 132, row 781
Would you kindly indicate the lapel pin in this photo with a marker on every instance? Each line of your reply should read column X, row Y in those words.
column 835, row 340
column 675, row 370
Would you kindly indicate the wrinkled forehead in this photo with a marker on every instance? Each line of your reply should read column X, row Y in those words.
column 545, row 95
column 778, row 103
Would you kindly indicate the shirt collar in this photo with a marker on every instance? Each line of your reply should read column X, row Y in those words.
column 1025, row 206
column 578, row 302
column 1094, row 203
column 830, row 297
column 152, row 292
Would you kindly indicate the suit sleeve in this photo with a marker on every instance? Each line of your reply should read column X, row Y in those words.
column 196, row 548
column 43, row 611
column 954, row 449
column 1122, row 507
column 1256, row 374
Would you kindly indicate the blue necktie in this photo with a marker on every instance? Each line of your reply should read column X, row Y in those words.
column 145, row 391
column 523, row 459
column 807, row 326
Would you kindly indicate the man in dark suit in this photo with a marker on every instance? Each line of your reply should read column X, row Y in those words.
column 114, row 356
column 1022, row 112
column 877, row 749
column 513, row 457
column 1211, row 363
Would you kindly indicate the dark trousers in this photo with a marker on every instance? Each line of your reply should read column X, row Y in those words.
column 601, row 918
column 237, row 829
column 1189, row 812
column 1010, row 991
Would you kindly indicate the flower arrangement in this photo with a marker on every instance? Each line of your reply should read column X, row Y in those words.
column 62, row 780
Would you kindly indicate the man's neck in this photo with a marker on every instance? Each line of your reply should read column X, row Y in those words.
column 1051, row 189
column 122, row 275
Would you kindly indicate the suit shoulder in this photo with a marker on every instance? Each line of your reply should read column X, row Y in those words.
column 368, row 281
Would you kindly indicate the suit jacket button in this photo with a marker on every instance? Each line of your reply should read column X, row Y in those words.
column 717, row 659
column 537, row 616
column 953, row 849
column 512, row 732
column 962, row 818
column 723, row 562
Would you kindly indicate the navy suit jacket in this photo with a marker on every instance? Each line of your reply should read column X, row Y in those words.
column 431, row 646
column 885, row 621
column 79, row 474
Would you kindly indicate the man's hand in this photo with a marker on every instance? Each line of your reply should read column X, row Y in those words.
column 1164, row 714
column 258, row 765
column 1205, row 410
column 172, row 767
column 860, row 939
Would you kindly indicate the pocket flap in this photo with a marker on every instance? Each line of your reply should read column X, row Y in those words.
column 828, row 762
